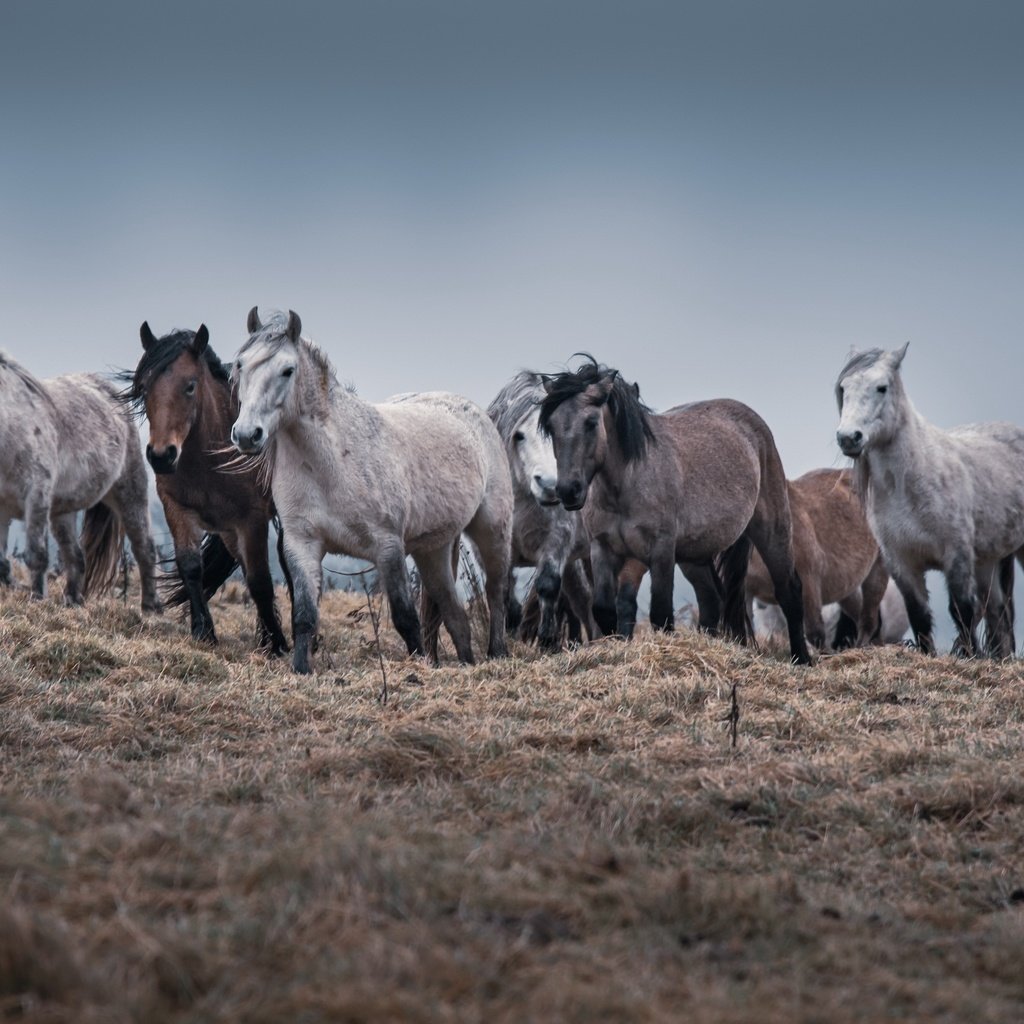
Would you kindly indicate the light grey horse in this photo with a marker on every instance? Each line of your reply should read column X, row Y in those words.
column 67, row 444
column 544, row 534
column 951, row 500
column 374, row 481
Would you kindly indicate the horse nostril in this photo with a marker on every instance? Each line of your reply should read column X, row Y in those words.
column 171, row 455
column 257, row 434
column 857, row 436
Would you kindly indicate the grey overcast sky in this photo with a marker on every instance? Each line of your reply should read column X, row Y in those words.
column 716, row 198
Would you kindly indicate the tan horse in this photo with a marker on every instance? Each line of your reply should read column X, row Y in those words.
column 66, row 445
column 835, row 552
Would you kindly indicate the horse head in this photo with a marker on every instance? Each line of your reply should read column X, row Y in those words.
column 583, row 412
column 168, row 382
column 533, row 459
column 264, row 376
column 869, row 393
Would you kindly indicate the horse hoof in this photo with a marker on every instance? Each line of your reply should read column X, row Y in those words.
column 153, row 607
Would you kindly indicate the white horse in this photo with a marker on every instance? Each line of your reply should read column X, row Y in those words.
column 67, row 444
column 376, row 482
column 544, row 534
column 951, row 500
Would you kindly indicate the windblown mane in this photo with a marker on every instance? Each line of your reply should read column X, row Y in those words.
column 155, row 361
column 630, row 416
column 33, row 383
column 515, row 401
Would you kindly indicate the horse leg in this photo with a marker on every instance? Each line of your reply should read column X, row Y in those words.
column 998, row 631
column 129, row 498
column 872, row 590
column 814, row 622
column 430, row 611
column 71, row 555
column 37, row 516
column 579, row 596
column 773, row 539
column 630, row 576
column 912, row 586
column 663, row 567
column 304, row 557
column 491, row 534
column 252, row 546
column 707, row 587
column 606, row 567
column 394, row 577
column 963, row 604
column 187, row 536
column 513, row 607
column 549, row 588
column 846, row 628
column 438, row 581
column 5, row 564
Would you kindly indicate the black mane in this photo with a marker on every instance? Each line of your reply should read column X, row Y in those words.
column 156, row 360
column 630, row 416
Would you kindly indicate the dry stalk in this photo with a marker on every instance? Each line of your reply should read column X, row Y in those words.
column 733, row 717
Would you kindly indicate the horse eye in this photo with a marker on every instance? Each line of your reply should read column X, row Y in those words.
column 190, row 388
column 518, row 437
column 288, row 372
column 590, row 424
column 882, row 388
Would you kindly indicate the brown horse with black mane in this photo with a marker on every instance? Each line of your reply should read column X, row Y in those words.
column 695, row 486
column 184, row 390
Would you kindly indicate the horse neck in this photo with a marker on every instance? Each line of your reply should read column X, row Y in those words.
column 911, row 452
column 310, row 419
column 611, row 473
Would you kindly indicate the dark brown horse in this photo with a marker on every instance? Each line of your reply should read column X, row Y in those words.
column 836, row 555
column 695, row 486
column 184, row 390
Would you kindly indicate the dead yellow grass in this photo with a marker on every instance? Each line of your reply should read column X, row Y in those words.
column 197, row 835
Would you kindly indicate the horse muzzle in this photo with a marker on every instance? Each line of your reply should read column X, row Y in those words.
column 573, row 496
column 248, row 441
column 851, row 444
column 544, row 492
column 163, row 462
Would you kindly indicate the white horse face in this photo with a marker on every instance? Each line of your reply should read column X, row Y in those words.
column 868, row 400
column 264, row 375
column 534, row 460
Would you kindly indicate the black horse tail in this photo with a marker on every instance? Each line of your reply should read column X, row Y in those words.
column 102, row 544
column 218, row 565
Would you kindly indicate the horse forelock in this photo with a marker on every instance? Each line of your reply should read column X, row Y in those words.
column 157, row 360
column 630, row 416
column 514, row 402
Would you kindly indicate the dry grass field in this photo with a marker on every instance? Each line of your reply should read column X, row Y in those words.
column 190, row 834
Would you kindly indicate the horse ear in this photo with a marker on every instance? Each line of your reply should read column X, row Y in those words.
column 147, row 336
column 547, row 383
column 294, row 325
column 897, row 356
column 201, row 340
column 252, row 323
column 636, row 389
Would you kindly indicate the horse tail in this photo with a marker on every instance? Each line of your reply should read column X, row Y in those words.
column 731, row 566
column 218, row 564
column 102, row 542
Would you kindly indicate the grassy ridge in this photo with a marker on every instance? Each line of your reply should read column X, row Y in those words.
column 192, row 835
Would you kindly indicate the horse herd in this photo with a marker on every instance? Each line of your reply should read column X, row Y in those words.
column 570, row 473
